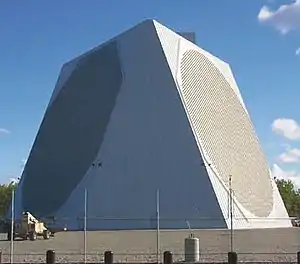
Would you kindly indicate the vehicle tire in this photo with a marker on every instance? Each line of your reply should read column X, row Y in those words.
column 32, row 236
column 46, row 234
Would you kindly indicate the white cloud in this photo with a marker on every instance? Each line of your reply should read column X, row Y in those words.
column 284, row 19
column 288, row 128
column 298, row 52
column 279, row 173
column 290, row 156
column 13, row 180
column 23, row 162
column 4, row 131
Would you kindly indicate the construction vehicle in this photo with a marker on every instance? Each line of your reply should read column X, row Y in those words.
column 295, row 221
column 28, row 227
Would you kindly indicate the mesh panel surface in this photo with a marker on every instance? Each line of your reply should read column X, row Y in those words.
column 226, row 132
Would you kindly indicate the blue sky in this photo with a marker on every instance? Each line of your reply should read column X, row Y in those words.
column 259, row 38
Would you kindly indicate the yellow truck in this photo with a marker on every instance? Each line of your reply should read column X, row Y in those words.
column 28, row 227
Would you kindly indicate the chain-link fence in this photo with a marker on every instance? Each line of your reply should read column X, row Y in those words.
column 69, row 257
column 148, row 245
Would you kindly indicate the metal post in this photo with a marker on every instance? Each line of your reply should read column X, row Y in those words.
column 50, row 257
column 231, row 213
column 298, row 257
column 232, row 258
column 157, row 228
column 168, row 257
column 85, row 215
column 12, row 227
column 108, row 257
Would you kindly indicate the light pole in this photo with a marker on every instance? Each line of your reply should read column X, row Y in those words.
column 231, row 212
column 85, row 218
column 157, row 227
column 12, row 227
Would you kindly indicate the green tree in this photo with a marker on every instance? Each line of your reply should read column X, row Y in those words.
column 290, row 196
column 5, row 197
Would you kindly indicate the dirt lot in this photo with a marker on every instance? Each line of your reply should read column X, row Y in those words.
column 136, row 246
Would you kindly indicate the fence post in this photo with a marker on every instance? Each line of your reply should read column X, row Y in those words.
column 0, row 257
column 108, row 257
column 168, row 257
column 232, row 258
column 298, row 257
column 50, row 257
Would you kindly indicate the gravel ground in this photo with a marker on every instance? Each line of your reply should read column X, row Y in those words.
column 277, row 245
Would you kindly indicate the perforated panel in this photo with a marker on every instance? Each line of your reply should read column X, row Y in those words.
column 226, row 132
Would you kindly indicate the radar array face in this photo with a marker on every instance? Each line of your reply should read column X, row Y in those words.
column 226, row 132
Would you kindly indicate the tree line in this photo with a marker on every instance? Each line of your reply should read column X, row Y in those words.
column 5, row 197
column 289, row 194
